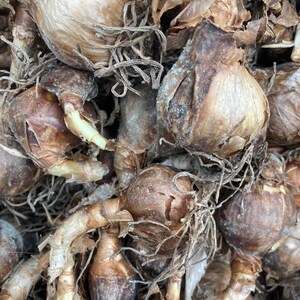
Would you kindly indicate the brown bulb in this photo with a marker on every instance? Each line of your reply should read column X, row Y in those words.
column 11, row 246
column 36, row 121
column 284, row 124
column 208, row 100
column 153, row 197
column 63, row 79
column 110, row 276
column 70, row 28
column 18, row 173
column 73, row 88
column 252, row 222
column 285, row 260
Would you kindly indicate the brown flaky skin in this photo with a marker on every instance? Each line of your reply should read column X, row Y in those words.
column 284, row 101
column 37, row 122
column 68, row 28
column 153, row 197
column 110, row 275
column 208, row 100
column 64, row 79
column 285, row 260
column 11, row 246
column 18, row 173
column 149, row 268
column 252, row 222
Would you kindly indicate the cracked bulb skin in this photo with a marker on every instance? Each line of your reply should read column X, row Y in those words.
column 38, row 125
column 208, row 100
column 153, row 196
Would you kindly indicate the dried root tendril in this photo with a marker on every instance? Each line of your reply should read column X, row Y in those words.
column 199, row 225
column 129, row 58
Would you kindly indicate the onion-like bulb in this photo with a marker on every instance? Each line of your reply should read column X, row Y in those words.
column 285, row 260
column 208, row 100
column 37, row 122
column 18, row 173
column 67, row 27
column 252, row 222
column 153, row 197
column 73, row 88
column 110, row 276
column 11, row 247
column 284, row 124
column 162, row 210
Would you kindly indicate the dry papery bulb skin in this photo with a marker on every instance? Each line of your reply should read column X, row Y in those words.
column 154, row 197
column 215, row 279
column 11, row 247
column 73, row 88
column 293, row 174
column 110, row 276
column 283, row 97
column 284, row 260
column 208, row 99
column 226, row 14
column 252, row 222
column 18, row 173
column 60, row 22
column 137, row 132
column 150, row 268
column 37, row 122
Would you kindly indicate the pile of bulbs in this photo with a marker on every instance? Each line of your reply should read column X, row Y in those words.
column 180, row 120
